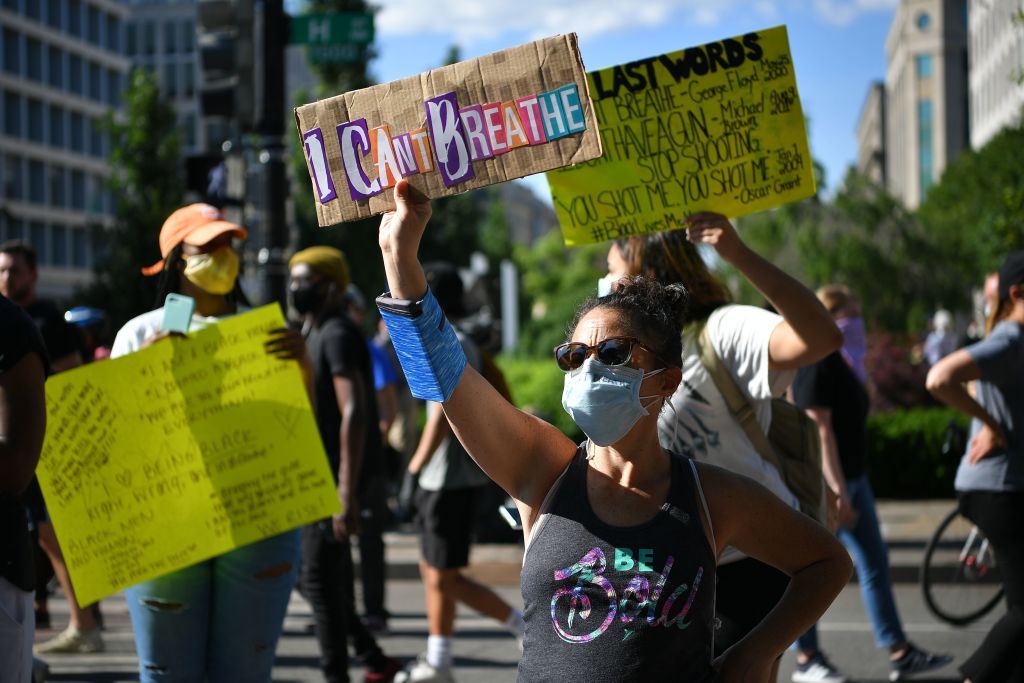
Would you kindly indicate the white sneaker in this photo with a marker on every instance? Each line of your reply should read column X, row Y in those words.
column 421, row 672
column 817, row 669
column 72, row 641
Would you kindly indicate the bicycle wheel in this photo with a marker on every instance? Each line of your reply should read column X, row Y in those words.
column 959, row 577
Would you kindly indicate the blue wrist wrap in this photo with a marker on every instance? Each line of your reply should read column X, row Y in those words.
column 428, row 350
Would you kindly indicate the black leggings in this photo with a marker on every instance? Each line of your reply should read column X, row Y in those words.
column 1000, row 515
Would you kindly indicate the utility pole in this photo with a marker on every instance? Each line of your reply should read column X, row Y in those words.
column 272, row 32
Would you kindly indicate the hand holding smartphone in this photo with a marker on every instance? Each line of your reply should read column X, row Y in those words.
column 178, row 310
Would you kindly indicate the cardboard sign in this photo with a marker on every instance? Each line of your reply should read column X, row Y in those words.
column 181, row 451
column 449, row 130
column 717, row 127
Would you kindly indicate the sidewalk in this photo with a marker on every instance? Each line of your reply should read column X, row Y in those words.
column 484, row 651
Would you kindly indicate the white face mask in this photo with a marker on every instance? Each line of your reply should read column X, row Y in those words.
column 604, row 400
column 604, row 285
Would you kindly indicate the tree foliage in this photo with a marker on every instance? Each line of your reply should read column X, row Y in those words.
column 147, row 186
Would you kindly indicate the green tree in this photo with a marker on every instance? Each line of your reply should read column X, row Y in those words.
column 147, row 186
column 977, row 208
column 555, row 280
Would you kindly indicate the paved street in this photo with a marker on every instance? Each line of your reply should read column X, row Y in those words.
column 485, row 652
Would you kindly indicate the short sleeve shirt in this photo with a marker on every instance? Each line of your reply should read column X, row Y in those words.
column 830, row 383
column 1000, row 357
column 699, row 425
column 338, row 347
column 18, row 338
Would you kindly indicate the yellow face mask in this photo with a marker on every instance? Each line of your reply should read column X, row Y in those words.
column 214, row 272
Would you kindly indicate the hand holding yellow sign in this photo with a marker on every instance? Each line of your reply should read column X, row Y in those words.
column 716, row 127
column 179, row 452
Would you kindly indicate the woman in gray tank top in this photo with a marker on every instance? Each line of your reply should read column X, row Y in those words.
column 623, row 537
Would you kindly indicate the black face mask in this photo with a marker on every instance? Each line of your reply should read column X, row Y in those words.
column 309, row 298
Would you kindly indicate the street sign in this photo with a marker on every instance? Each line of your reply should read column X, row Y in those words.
column 341, row 28
column 333, row 54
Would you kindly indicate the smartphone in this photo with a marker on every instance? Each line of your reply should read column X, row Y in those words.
column 178, row 310
column 510, row 513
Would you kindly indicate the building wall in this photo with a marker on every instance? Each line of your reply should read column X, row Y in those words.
column 871, row 147
column 996, row 61
column 61, row 70
column 925, row 94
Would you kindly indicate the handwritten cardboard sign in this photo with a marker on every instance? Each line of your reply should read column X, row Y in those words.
column 181, row 451
column 475, row 123
column 717, row 127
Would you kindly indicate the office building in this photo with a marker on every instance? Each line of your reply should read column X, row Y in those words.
column 996, row 67
column 871, row 135
column 925, row 95
column 62, row 71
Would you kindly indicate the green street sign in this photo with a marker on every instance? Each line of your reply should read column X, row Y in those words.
column 353, row 28
column 333, row 54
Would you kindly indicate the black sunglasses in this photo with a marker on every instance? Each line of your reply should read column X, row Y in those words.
column 610, row 351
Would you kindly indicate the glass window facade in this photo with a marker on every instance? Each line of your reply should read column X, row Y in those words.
column 37, row 236
column 112, row 35
column 55, row 67
column 170, row 37
column 34, row 60
column 59, row 245
column 14, row 177
column 36, row 124
column 55, row 178
column 79, row 247
column 12, row 52
column 95, row 82
column 12, row 114
column 75, row 18
column 925, row 133
column 924, row 66
column 78, row 190
column 54, row 13
column 77, row 133
column 75, row 79
column 113, row 88
column 57, row 119
column 36, row 182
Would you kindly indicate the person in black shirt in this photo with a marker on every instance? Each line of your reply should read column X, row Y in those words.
column 23, row 368
column 834, row 397
column 346, row 413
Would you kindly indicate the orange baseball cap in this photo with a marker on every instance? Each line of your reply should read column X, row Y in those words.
column 195, row 224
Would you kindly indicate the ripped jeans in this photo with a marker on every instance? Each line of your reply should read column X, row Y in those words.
column 218, row 620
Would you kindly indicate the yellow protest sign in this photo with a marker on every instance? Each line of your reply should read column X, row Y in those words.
column 716, row 127
column 179, row 452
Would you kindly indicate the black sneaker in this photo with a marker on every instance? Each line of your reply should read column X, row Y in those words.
column 915, row 661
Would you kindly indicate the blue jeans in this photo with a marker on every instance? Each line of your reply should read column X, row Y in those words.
column 871, row 557
column 218, row 620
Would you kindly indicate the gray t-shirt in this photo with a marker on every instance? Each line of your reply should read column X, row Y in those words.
column 451, row 467
column 1000, row 357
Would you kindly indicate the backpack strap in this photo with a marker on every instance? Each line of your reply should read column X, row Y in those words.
column 740, row 408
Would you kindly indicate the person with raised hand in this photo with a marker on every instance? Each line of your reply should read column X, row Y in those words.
column 623, row 536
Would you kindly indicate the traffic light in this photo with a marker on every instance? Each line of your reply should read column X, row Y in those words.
column 225, row 30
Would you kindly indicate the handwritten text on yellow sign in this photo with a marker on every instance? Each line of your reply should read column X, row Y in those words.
column 717, row 127
column 179, row 452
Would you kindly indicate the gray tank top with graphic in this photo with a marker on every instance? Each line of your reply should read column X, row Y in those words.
column 619, row 603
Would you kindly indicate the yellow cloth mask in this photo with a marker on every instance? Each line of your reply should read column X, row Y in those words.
column 214, row 272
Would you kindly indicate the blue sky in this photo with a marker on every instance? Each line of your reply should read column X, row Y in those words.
column 838, row 45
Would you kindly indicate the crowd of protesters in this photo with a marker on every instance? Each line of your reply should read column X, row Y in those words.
column 668, row 514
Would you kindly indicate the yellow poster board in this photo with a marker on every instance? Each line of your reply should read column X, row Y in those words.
column 718, row 127
column 179, row 452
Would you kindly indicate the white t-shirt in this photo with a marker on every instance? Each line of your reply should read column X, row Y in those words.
column 701, row 426
column 129, row 338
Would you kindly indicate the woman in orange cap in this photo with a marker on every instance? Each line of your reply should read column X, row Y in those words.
column 218, row 620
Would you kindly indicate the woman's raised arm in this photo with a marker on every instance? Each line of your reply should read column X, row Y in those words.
column 521, row 453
